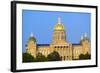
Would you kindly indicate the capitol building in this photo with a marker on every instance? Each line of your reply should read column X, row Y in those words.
column 66, row 50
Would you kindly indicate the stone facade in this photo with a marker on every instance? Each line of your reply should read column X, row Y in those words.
column 67, row 51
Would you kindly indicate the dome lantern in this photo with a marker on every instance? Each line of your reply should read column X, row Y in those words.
column 32, row 38
column 59, row 21
column 59, row 26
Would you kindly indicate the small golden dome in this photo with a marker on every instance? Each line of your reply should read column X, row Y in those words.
column 59, row 26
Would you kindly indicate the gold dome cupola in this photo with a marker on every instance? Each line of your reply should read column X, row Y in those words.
column 59, row 34
column 59, row 26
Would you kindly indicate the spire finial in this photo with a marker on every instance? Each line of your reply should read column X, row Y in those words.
column 59, row 20
column 81, row 37
column 31, row 35
column 85, row 35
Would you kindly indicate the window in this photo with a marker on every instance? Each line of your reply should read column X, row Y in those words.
column 67, row 46
column 58, row 46
column 55, row 47
column 64, row 57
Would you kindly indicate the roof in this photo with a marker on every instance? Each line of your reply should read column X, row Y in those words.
column 59, row 26
column 76, row 44
column 32, row 39
column 43, row 44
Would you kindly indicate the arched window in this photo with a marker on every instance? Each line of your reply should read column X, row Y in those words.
column 67, row 57
column 64, row 57
column 61, row 57
column 67, row 46
column 55, row 47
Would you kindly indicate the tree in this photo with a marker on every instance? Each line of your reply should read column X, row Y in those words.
column 88, row 56
column 40, row 58
column 27, row 57
column 81, row 57
column 84, row 57
column 54, row 56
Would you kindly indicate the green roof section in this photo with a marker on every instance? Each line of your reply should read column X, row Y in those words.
column 32, row 39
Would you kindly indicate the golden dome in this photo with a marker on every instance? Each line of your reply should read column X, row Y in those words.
column 59, row 26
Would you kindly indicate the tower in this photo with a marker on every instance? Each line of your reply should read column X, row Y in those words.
column 59, row 34
column 31, row 45
column 86, row 44
column 59, row 43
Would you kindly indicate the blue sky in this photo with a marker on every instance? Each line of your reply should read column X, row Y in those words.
column 41, row 24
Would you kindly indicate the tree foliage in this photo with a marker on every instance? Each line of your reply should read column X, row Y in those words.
column 40, row 58
column 84, row 57
column 54, row 56
column 27, row 57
